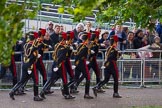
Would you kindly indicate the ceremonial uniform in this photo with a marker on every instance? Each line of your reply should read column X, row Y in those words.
column 29, row 68
column 110, row 65
column 58, row 68
column 94, row 47
column 39, row 64
column 81, row 66
column 92, row 58
column 68, row 66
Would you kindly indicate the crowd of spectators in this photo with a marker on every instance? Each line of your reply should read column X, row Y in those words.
column 128, row 39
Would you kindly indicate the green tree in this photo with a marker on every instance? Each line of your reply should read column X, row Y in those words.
column 141, row 11
column 11, row 16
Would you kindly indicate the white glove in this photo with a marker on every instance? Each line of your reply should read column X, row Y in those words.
column 49, row 46
column 55, row 69
column 92, row 52
column 39, row 55
column 103, row 67
column 102, row 44
column 29, row 71
column 20, row 41
column 87, row 62
column 76, row 44
column 71, row 48
column 73, row 66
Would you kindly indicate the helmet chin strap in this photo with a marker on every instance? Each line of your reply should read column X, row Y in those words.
column 62, row 41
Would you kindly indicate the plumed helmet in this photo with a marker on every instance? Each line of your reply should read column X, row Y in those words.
column 94, row 34
column 115, row 38
column 84, row 35
column 41, row 32
column 62, row 36
column 33, row 35
column 70, row 35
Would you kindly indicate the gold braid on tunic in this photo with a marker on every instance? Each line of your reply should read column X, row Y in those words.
column 106, row 56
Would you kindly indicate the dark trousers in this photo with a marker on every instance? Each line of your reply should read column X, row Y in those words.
column 12, row 68
column 70, row 72
column 94, row 65
column 40, row 67
column 25, row 77
column 108, row 71
column 82, row 68
column 61, row 73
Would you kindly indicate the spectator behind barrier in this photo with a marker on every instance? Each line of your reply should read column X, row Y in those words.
column 48, row 41
column 50, row 29
column 61, row 28
column 156, row 46
column 129, row 41
column 88, row 27
column 123, row 38
column 55, row 36
column 159, row 30
column 138, row 42
column 154, row 64
column 111, row 33
column 104, row 43
column 98, row 29
column 79, row 28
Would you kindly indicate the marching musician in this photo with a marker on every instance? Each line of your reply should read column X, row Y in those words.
column 29, row 67
column 110, row 67
column 81, row 64
column 58, row 67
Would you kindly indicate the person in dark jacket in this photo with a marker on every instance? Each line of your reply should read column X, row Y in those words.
column 159, row 30
column 123, row 38
column 79, row 28
column 104, row 44
column 111, row 33
column 138, row 42
column 55, row 36
column 47, row 41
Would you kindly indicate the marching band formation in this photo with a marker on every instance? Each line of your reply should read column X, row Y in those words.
column 80, row 44
column 87, row 48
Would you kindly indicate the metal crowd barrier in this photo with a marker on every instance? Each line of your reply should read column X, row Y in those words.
column 138, row 71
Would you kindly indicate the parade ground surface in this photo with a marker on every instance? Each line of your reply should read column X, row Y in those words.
column 132, row 98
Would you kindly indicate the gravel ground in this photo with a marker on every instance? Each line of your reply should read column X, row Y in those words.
column 132, row 98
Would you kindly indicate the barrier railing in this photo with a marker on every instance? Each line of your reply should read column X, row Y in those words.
column 141, row 70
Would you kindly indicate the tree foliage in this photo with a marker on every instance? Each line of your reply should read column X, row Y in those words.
column 11, row 16
column 140, row 11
